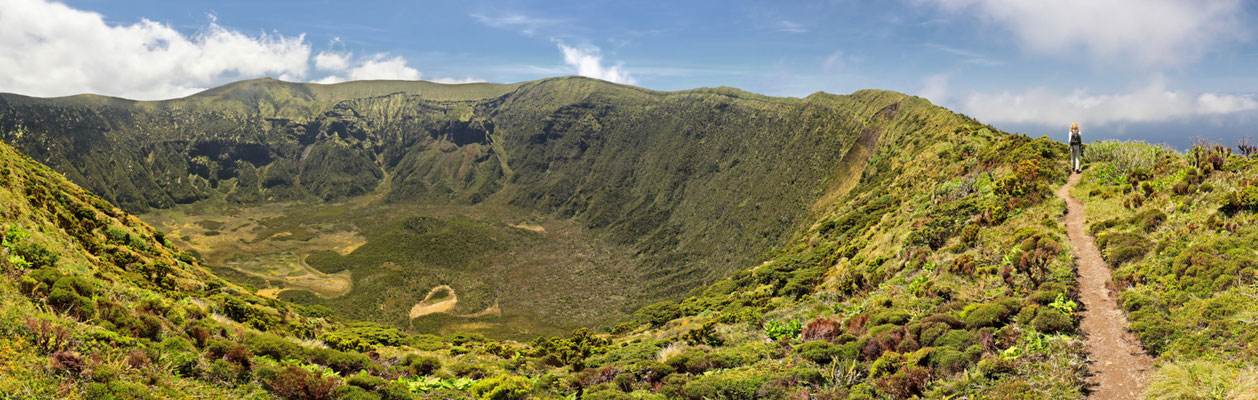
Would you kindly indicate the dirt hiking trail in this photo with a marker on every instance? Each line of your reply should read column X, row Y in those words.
column 1118, row 363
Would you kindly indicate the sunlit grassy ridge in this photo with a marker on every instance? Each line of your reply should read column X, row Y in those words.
column 1179, row 231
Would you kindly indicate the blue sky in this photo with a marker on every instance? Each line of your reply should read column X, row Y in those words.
column 1160, row 70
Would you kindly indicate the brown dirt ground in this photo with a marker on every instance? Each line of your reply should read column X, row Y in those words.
column 1119, row 364
column 425, row 307
column 534, row 228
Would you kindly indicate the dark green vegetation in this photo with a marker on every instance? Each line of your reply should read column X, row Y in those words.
column 930, row 263
column 1179, row 230
column 680, row 188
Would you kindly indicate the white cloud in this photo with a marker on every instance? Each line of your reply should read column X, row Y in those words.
column 791, row 27
column 345, row 67
column 331, row 61
column 1143, row 32
column 1151, row 103
column 935, row 88
column 454, row 81
column 381, row 66
column 588, row 61
column 49, row 49
column 525, row 24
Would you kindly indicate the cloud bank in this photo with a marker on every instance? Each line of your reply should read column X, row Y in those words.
column 1152, row 103
column 1127, row 32
column 49, row 49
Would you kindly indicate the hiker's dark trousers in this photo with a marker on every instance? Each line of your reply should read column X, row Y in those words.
column 1076, row 157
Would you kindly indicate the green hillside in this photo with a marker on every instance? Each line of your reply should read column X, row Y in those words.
column 929, row 260
column 652, row 193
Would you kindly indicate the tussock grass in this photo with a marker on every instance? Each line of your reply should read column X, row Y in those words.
column 1201, row 379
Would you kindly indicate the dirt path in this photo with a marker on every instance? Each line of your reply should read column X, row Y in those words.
column 1119, row 364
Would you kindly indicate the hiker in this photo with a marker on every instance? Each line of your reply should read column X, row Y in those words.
column 1076, row 148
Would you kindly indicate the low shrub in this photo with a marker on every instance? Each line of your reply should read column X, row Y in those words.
column 418, row 365
column 1119, row 248
column 503, row 387
column 339, row 361
column 821, row 329
column 297, row 383
column 68, row 362
column 659, row 313
column 362, row 337
column 1048, row 319
column 820, row 352
column 36, row 254
column 276, row 347
column 985, row 315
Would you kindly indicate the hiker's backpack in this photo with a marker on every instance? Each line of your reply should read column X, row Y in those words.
column 1075, row 138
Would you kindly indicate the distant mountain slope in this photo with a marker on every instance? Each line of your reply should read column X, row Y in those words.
column 697, row 183
column 940, row 272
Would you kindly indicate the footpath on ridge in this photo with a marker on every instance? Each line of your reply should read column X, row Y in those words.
column 1119, row 364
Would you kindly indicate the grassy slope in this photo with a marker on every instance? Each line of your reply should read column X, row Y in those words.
column 58, row 236
column 911, row 271
column 1184, row 262
column 919, row 307
column 694, row 183
column 910, row 317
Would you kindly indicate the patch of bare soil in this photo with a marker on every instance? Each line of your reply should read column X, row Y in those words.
column 427, row 306
column 1119, row 364
column 271, row 292
column 534, row 228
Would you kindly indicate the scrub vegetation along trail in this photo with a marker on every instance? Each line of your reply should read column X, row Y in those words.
column 1119, row 364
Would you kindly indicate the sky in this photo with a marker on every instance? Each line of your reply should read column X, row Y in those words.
column 1155, row 70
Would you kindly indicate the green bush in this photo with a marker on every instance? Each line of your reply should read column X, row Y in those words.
column 396, row 390
column 1048, row 319
column 691, row 361
column 1149, row 220
column 419, row 365
column 362, row 337
column 115, row 389
column 1119, row 248
column 36, row 254
column 350, row 392
column 339, row 361
column 818, row 351
column 426, row 342
column 659, row 313
column 503, row 387
column 13, row 235
column 1244, row 199
column 276, row 347
column 889, row 316
column 366, row 381
column 651, row 371
column 71, row 295
column 948, row 359
column 985, row 315
column 729, row 386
